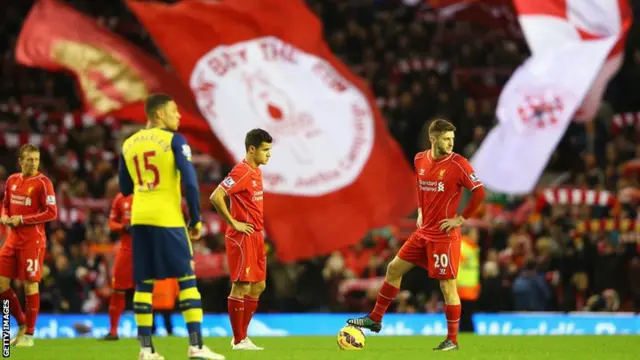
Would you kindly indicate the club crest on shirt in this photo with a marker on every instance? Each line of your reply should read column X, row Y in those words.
column 29, row 190
column 441, row 174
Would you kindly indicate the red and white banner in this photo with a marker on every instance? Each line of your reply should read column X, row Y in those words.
column 577, row 47
column 335, row 171
column 115, row 76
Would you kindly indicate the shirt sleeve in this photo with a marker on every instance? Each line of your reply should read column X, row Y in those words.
column 468, row 177
column 124, row 178
column 182, row 154
column 415, row 169
column 115, row 215
column 237, row 180
column 50, row 210
column 5, row 199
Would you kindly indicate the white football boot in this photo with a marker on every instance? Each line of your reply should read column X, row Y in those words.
column 246, row 344
column 146, row 354
column 203, row 353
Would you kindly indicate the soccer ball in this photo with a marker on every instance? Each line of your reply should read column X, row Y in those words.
column 351, row 338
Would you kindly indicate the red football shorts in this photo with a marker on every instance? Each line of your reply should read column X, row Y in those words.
column 123, row 270
column 21, row 264
column 441, row 259
column 246, row 257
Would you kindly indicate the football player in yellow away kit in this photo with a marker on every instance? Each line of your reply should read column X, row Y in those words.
column 154, row 162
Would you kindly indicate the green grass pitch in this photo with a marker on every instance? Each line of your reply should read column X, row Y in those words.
column 377, row 347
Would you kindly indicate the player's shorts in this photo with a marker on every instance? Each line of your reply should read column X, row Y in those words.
column 123, row 270
column 21, row 264
column 246, row 257
column 440, row 259
column 161, row 253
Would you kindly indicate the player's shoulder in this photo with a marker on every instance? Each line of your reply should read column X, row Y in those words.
column 13, row 177
column 457, row 158
column 241, row 168
column 42, row 178
column 118, row 197
column 421, row 156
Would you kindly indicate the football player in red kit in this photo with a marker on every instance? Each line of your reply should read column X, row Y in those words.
column 435, row 245
column 246, row 256
column 120, row 222
column 29, row 202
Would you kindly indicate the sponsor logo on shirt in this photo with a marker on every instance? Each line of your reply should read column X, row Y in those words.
column 27, row 201
column 431, row 186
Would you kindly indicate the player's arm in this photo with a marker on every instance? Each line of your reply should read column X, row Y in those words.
column 415, row 166
column 182, row 154
column 50, row 211
column 470, row 180
column 115, row 215
column 236, row 181
column 4, row 212
column 124, row 178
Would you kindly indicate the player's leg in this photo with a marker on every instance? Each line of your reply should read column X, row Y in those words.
column 443, row 265
column 237, row 257
column 176, row 261
column 30, row 262
column 8, row 271
column 122, row 281
column 412, row 252
column 257, row 276
column 144, row 253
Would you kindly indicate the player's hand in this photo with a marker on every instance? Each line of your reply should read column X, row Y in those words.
column 447, row 225
column 242, row 227
column 14, row 221
column 419, row 221
column 4, row 219
column 196, row 231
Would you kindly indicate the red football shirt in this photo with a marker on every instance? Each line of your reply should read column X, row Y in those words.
column 244, row 187
column 120, row 216
column 34, row 199
column 440, row 185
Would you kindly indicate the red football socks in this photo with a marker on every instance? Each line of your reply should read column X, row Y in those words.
column 117, row 304
column 14, row 305
column 32, row 305
column 250, row 307
column 386, row 295
column 453, row 321
column 235, row 306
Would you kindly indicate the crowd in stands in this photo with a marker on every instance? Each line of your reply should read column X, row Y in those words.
column 561, row 249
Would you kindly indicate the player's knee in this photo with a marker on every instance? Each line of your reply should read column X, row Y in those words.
column 240, row 289
column 31, row 287
column 257, row 288
column 449, row 291
column 395, row 269
column 5, row 283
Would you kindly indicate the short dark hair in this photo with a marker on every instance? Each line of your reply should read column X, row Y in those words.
column 256, row 137
column 438, row 126
column 155, row 102
column 27, row 148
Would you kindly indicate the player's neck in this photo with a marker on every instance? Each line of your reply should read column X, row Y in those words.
column 29, row 174
column 436, row 155
column 251, row 162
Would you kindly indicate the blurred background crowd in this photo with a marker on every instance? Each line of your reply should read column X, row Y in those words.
column 530, row 253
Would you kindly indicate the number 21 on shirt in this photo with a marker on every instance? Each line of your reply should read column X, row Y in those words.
column 143, row 163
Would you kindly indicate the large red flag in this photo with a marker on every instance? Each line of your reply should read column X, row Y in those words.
column 335, row 172
column 114, row 75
